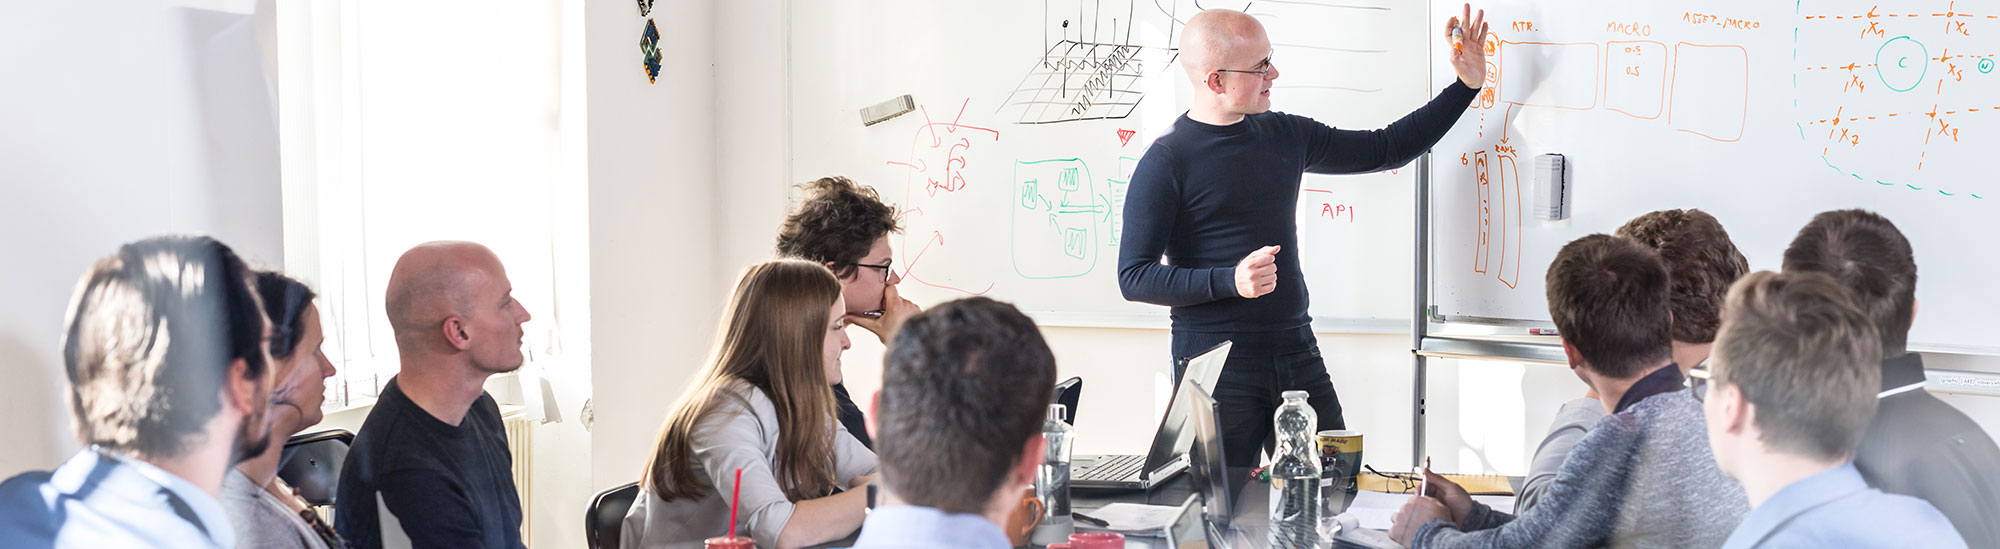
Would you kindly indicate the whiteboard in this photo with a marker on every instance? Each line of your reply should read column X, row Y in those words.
column 1761, row 113
column 1011, row 174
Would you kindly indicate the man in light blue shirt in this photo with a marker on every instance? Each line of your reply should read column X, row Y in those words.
column 1793, row 389
column 958, row 426
column 168, row 386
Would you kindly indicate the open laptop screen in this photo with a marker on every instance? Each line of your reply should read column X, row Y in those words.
column 1173, row 439
column 1206, row 465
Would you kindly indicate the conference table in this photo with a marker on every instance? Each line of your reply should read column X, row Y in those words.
column 1249, row 526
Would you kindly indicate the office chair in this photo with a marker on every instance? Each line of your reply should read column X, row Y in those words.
column 312, row 464
column 604, row 520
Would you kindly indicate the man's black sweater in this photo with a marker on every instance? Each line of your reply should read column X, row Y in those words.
column 1205, row 196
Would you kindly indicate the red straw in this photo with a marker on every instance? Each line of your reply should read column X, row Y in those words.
column 733, row 493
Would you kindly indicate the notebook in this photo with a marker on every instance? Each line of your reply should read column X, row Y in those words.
column 1478, row 485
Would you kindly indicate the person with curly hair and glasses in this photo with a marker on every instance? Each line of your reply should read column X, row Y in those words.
column 846, row 227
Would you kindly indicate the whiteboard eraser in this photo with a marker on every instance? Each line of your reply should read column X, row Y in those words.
column 1551, row 187
column 887, row 110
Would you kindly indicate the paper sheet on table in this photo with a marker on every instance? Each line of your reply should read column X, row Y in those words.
column 1134, row 518
column 1378, row 510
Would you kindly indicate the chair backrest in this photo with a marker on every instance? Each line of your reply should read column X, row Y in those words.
column 1067, row 394
column 605, row 518
column 312, row 464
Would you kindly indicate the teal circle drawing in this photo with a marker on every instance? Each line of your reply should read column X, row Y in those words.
column 1985, row 66
column 1901, row 63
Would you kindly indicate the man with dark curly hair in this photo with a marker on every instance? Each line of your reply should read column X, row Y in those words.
column 846, row 227
column 1701, row 264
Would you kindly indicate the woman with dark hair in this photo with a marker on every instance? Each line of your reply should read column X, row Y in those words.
column 263, row 509
column 762, row 405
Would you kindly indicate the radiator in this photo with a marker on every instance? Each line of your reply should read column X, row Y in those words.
column 521, row 443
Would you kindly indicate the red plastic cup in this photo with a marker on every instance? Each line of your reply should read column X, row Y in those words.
column 729, row 542
column 1092, row 540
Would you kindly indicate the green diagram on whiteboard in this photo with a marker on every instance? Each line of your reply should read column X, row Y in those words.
column 1116, row 198
column 1060, row 218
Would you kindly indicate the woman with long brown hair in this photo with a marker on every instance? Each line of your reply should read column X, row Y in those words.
column 762, row 404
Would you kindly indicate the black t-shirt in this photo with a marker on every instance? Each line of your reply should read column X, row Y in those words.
column 448, row 486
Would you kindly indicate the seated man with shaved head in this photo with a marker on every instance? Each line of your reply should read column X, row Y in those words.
column 433, row 451
column 1217, row 196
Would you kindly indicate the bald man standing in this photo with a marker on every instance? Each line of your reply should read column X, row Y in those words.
column 1217, row 196
column 433, row 448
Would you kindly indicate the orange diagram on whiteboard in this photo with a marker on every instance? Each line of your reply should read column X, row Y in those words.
column 1556, row 75
column 1635, row 78
column 1912, row 77
column 1718, row 79
column 1499, row 212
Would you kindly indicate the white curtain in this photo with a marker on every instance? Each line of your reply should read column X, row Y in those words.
column 405, row 122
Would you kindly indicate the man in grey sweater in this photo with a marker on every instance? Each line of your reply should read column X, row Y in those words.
column 1644, row 476
column 1701, row 263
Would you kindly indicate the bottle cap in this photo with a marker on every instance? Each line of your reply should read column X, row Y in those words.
column 1301, row 395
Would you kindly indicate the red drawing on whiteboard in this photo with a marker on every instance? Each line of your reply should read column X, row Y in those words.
column 1125, row 137
column 942, row 153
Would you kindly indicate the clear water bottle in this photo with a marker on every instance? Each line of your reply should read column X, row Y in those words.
column 1295, row 473
column 1052, row 479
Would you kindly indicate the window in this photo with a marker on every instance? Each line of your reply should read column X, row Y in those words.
column 402, row 123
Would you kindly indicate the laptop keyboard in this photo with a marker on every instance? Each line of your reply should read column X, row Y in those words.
column 1115, row 468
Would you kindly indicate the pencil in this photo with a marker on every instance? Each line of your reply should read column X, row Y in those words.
column 1424, row 489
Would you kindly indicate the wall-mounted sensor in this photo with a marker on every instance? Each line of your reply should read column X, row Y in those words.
column 1551, row 187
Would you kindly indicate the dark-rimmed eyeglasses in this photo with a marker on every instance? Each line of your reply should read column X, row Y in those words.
column 1404, row 483
column 884, row 267
column 1697, row 382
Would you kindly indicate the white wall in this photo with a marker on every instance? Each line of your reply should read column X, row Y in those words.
column 752, row 179
column 47, row 248
column 175, row 139
column 652, row 229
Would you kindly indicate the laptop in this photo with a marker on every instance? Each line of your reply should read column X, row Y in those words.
column 1168, row 455
column 1206, row 463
